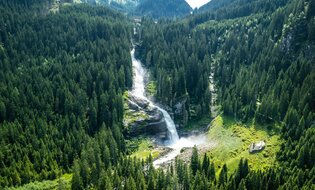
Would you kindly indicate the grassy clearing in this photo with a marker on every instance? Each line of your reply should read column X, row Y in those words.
column 64, row 182
column 233, row 140
column 143, row 148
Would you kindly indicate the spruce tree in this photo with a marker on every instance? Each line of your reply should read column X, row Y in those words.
column 194, row 161
column 242, row 185
column 223, row 176
column 76, row 183
column 205, row 164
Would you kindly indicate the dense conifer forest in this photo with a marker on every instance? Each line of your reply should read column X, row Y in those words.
column 63, row 77
column 60, row 88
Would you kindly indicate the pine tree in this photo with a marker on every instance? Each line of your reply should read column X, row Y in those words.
column 223, row 176
column 231, row 185
column 301, row 157
column 242, row 185
column 116, row 180
column 76, row 183
column 140, row 181
column 242, row 170
column 151, row 183
column 85, row 172
column 194, row 161
column 104, row 181
column 2, row 111
column 160, row 181
column 197, row 182
column 211, row 172
column 205, row 164
column 186, row 183
column 131, row 184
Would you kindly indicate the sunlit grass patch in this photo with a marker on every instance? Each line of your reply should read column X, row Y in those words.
column 64, row 182
column 144, row 147
column 233, row 140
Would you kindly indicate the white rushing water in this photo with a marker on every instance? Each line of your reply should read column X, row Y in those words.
column 138, row 90
column 176, row 144
column 177, row 147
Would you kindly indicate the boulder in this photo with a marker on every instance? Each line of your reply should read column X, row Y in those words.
column 256, row 147
column 141, row 117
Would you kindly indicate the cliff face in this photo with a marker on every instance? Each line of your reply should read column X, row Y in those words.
column 142, row 118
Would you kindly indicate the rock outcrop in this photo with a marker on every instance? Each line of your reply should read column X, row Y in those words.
column 143, row 118
column 180, row 112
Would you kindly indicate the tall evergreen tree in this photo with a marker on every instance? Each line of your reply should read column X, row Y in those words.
column 194, row 161
column 76, row 182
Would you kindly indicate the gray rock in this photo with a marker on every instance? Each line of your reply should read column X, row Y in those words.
column 143, row 103
column 143, row 118
column 179, row 111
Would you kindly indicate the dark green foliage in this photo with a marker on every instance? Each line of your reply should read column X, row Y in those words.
column 242, row 171
column 215, row 4
column 61, row 94
column 194, row 161
column 205, row 167
column 58, row 85
column 264, row 69
column 163, row 8
column 104, row 181
column 242, row 185
column 76, row 179
column 223, row 176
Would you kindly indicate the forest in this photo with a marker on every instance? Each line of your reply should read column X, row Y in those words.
column 59, row 89
column 63, row 77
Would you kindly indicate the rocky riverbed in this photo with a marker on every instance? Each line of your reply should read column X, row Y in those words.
column 183, row 150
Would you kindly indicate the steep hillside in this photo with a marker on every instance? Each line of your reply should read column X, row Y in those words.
column 163, row 8
column 230, row 9
column 215, row 4
column 149, row 8
column 59, row 88
column 121, row 5
column 64, row 77
column 261, row 52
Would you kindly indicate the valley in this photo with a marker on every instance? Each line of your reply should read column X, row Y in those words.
column 223, row 136
column 154, row 95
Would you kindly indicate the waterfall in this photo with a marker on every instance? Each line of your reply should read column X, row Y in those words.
column 138, row 90
column 176, row 144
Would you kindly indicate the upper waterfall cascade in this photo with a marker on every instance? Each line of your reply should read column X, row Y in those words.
column 138, row 90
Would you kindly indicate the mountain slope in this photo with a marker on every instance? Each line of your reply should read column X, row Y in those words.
column 231, row 9
column 59, row 87
column 215, row 4
column 262, row 55
column 63, row 76
column 163, row 8
column 150, row 8
column 121, row 5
